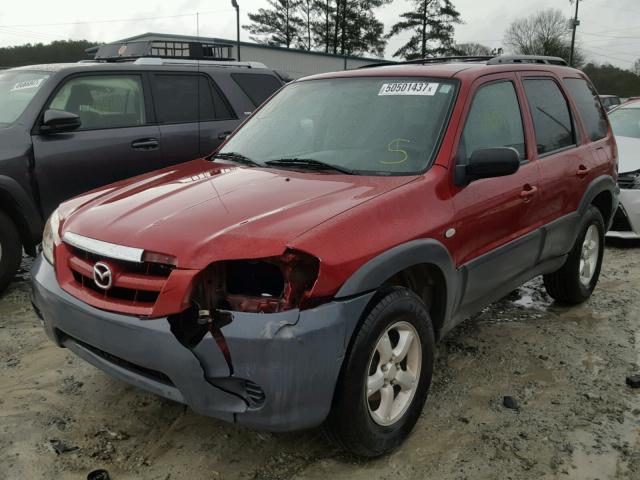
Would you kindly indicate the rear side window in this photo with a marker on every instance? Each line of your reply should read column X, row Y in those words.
column 588, row 104
column 494, row 121
column 103, row 101
column 258, row 87
column 187, row 98
column 551, row 115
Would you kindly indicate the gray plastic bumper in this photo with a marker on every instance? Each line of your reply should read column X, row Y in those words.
column 294, row 357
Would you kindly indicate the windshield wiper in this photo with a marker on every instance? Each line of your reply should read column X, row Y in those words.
column 309, row 163
column 238, row 158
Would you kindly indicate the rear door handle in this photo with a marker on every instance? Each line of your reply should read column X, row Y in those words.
column 145, row 144
column 583, row 171
column 528, row 192
column 224, row 135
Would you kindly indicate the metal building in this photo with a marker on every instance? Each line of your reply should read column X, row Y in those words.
column 292, row 62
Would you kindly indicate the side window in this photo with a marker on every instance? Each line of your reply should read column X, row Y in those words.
column 551, row 116
column 258, row 87
column 187, row 98
column 222, row 109
column 494, row 121
column 593, row 116
column 103, row 101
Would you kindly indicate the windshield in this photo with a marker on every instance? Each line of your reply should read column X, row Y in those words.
column 17, row 88
column 625, row 121
column 362, row 125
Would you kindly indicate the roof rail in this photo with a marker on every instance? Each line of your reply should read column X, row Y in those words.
column 419, row 61
column 527, row 59
column 177, row 61
column 488, row 59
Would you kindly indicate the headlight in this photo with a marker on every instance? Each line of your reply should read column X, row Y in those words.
column 266, row 285
column 629, row 180
column 51, row 237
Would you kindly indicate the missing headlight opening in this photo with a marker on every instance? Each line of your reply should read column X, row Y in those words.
column 267, row 285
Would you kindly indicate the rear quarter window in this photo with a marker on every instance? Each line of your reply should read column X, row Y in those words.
column 589, row 107
column 258, row 87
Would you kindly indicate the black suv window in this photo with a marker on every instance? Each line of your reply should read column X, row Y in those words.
column 494, row 121
column 551, row 115
column 258, row 87
column 187, row 98
column 103, row 101
column 589, row 107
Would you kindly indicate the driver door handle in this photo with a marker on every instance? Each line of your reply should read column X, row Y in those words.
column 527, row 192
column 145, row 144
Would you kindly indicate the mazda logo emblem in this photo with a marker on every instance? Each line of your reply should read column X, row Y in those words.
column 102, row 275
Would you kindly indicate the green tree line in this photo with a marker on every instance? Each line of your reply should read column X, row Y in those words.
column 36, row 53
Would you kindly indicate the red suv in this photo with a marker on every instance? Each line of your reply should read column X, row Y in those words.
column 302, row 273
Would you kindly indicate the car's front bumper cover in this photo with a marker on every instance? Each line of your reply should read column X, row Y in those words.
column 628, row 223
column 294, row 357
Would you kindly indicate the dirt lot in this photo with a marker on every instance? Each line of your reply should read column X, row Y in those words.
column 60, row 418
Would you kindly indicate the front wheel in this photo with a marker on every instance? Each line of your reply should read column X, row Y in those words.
column 10, row 250
column 577, row 278
column 385, row 377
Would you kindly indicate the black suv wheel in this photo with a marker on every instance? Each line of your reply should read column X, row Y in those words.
column 10, row 250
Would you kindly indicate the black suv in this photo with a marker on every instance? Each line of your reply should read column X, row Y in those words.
column 69, row 128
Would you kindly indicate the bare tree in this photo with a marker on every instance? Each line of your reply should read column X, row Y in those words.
column 545, row 33
column 471, row 49
column 636, row 67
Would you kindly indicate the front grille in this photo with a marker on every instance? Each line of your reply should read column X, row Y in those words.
column 127, row 365
column 628, row 180
column 136, row 286
column 620, row 221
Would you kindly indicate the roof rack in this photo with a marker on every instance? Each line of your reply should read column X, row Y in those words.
column 179, row 61
column 541, row 59
column 488, row 59
column 419, row 61
column 127, row 51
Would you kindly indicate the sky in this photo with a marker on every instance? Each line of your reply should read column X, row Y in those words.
column 609, row 30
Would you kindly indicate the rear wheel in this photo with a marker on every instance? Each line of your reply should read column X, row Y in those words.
column 10, row 250
column 385, row 377
column 577, row 278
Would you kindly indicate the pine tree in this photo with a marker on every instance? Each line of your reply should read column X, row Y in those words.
column 279, row 25
column 308, row 12
column 432, row 24
column 356, row 30
column 323, row 27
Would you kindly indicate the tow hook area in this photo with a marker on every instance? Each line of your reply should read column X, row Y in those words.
column 191, row 327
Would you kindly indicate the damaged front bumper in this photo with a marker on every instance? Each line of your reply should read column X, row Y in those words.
column 287, row 362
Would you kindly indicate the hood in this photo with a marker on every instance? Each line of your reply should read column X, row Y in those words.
column 202, row 212
column 628, row 154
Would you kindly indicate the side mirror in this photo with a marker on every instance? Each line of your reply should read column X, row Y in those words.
column 488, row 163
column 59, row 121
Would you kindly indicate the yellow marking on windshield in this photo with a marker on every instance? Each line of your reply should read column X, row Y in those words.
column 394, row 146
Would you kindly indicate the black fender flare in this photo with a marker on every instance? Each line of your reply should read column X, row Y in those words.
column 376, row 271
column 597, row 186
column 19, row 206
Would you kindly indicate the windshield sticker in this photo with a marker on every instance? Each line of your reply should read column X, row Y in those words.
column 26, row 84
column 409, row 88
column 445, row 88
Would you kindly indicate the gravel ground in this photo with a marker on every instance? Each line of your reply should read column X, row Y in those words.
column 566, row 367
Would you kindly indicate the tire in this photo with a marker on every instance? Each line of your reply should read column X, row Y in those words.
column 566, row 284
column 10, row 250
column 357, row 422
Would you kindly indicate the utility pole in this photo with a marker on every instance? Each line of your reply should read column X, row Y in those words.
column 237, row 7
column 574, row 24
